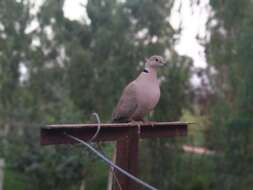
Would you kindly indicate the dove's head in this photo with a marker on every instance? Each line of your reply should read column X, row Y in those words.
column 155, row 61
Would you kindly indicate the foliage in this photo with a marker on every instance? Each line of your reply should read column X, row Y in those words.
column 14, row 180
column 229, row 53
column 73, row 68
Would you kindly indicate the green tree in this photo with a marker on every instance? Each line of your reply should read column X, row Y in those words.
column 229, row 54
column 13, row 53
column 75, row 68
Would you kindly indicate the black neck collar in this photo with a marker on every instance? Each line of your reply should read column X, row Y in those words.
column 145, row 71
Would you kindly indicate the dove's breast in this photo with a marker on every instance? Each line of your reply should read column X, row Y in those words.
column 148, row 94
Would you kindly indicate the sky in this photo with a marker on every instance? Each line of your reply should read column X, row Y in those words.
column 192, row 19
column 193, row 22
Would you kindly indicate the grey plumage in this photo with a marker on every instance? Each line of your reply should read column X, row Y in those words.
column 141, row 95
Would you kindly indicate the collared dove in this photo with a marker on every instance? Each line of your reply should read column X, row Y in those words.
column 141, row 95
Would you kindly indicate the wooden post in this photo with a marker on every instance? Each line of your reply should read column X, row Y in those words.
column 1, row 174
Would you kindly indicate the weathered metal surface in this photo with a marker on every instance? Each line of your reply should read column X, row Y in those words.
column 127, row 158
column 126, row 134
column 131, row 124
column 122, row 158
column 133, row 149
column 54, row 134
column 1, row 174
column 164, row 131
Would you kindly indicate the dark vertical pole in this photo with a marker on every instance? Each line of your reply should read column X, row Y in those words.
column 122, row 161
column 133, row 156
column 127, row 158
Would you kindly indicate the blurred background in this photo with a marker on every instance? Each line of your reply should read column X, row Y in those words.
column 62, row 60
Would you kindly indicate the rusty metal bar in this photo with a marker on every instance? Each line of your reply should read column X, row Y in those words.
column 164, row 131
column 110, row 163
column 127, row 158
column 122, row 157
column 131, row 124
column 54, row 134
column 133, row 149
column 126, row 134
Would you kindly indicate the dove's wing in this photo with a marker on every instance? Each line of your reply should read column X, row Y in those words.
column 126, row 105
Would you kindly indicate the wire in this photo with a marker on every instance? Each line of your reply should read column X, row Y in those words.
column 109, row 162
column 94, row 137
column 116, row 178
column 98, row 128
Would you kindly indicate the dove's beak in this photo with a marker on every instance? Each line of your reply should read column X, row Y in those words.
column 163, row 64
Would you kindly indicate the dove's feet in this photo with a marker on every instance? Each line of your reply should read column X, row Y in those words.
column 138, row 123
column 147, row 122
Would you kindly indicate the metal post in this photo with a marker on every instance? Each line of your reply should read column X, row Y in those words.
column 127, row 158
column 126, row 134
column 1, row 174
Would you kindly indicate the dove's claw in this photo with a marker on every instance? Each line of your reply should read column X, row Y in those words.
column 152, row 123
column 138, row 123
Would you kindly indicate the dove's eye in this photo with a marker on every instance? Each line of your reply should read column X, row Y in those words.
column 156, row 60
